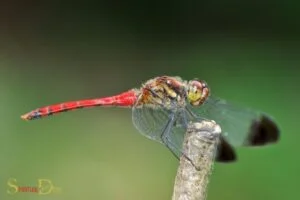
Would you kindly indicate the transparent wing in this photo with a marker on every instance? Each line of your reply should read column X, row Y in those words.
column 240, row 126
column 177, row 132
column 152, row 122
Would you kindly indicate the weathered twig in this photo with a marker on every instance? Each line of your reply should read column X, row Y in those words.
column 196, row 164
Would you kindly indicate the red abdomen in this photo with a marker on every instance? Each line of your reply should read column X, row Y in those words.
column 126, row 99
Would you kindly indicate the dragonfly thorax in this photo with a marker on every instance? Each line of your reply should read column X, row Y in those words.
column 165, row 91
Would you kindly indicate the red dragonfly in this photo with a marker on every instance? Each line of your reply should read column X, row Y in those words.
column 163, row 106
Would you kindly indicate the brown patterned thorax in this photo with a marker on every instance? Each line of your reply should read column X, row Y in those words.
column 163, row 91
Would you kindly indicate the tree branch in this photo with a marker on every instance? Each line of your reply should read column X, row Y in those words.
column 199, row 147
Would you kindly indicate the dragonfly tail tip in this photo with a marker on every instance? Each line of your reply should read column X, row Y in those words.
column 25, row 117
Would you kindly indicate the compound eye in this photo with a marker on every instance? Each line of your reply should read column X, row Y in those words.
column 197, row 92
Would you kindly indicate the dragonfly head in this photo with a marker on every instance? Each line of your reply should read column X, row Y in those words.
column 197, row 92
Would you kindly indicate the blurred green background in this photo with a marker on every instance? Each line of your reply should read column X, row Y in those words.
column 54, row 51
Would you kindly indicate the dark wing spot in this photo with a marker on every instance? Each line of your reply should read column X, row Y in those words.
column 262, row 132
column 225, row 152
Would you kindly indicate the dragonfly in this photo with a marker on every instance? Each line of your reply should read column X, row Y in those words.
column 163, row 106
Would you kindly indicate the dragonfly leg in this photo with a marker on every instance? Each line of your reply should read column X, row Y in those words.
column 194, row 116
column 170, row 145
